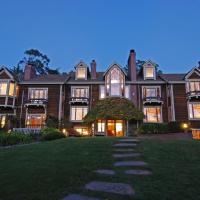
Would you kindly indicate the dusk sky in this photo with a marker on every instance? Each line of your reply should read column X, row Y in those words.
column 167, row 32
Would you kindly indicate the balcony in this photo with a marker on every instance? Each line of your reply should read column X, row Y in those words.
column 36, row 102
column 79, row 100
column 193, row 95
column 152, row 100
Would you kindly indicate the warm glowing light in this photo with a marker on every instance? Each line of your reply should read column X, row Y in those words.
column 64, row 131
column 185, row 125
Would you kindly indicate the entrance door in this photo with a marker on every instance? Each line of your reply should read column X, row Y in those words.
column 115, row 128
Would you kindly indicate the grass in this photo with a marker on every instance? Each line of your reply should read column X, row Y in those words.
column 51, row 170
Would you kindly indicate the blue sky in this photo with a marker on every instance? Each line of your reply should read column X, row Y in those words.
column 167, row 32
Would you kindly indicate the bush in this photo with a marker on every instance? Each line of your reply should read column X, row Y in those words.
column 73, row 132
column 14, row 138
column 51, row 134
column 175, row 127
column 52, row 122
column 153, row 128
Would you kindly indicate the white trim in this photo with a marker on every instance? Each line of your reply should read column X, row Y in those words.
column 114, row 64
column 161, row 115
column 152, row 87
column 172, row 103
column 79, row 66
column 192, row 119
column 71, row 112
column 60, row 105
column 38, row 88
column 191, row 72
column 81, row 87
column 100, row 91
column 7, row 72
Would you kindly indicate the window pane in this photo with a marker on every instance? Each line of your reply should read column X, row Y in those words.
column 3, row 88
column 11, row 89
column 78, row 113
column 196, row 110
column 80, row 92
column 102, row 91
column 127, row 92
column 151, row 92
column 152, row 114
column 3, row 121
column 81, row 72
column 149, row 72
column 73, row 113
column 38, row 93
column 101, row 126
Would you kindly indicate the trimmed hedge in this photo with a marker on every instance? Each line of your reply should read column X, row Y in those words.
column 155, row 128
column 51, row 134
column 14, row 138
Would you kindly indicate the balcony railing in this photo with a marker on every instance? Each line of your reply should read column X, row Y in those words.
column 36, row 102
column 82, row 100
column 193, row 94
column 155, row 100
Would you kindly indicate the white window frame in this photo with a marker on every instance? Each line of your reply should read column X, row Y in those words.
column 30, row 88
column 100, row 86
column 103, row 121
column 152, row 87
column 127, row 86
column 80, row 87
column 8, row 88
column 154, row 73
column 35, row 114
column 77, row 107
column 161, row 115
column 192, row 119
column 77, row 78
column 188, row 84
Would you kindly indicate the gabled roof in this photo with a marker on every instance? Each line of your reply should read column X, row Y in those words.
column 4, row 69
column 149, row 62
column 115, row 64
column 172, row 77
column 81, row 64
column 48, row 79
column 194, row 70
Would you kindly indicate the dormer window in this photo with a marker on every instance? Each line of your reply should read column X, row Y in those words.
column 81, row 71
column 149, row 71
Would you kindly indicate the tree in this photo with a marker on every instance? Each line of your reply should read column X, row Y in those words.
column 39, row 60
column 113, row 108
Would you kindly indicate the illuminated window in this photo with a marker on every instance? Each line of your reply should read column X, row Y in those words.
column 194, row 110
column 102, row 92
column 115, row 82
column 12, row 89
column 82, row 130
column 80, row 92
column 149, row 72
column 2, row 121
column 35, row 120
column 152, row 114
column 3, row 88
column 81, row 73
column 151, row 91
column 193, row 86
column 78, row 113
column 127, row 92
column 101, row 126
column 38, row 93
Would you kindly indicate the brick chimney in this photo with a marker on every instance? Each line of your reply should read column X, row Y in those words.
column 29, row 72
column 93, row 69
column 132, row 72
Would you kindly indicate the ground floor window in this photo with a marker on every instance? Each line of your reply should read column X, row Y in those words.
column 82, row 130
column 2, row 121
column 78, row 113
column 152, row 114
column 115, row 127
column 194, row 110
column 101, row 124
column 35, row 120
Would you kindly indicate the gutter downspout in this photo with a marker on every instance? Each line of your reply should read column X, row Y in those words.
column 22, row 102
column 60, row 107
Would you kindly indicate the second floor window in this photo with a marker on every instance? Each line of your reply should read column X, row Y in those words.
column 151, row 92
column 78, row 113
column 193, row 86
column 38, row 93
column 3, row 88
column 80, row 92
column 102, row 92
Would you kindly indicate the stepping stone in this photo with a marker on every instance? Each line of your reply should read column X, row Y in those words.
column 138, row 172
column 105, row 171
column 125, row 145
column 130, row 163
column 78, row 197
column 117, row 188
column 126, row 155
column 124, row 150
column 129, row 140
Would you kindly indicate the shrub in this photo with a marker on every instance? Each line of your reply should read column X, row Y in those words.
column 52, row 122
column 175, row 127
column 153, row 128
column 51, row 134
column 73, row 132
column 14, row 138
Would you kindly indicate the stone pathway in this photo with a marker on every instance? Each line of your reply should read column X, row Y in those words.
column 105, row 171
column 124, row 149
column 126, row 155
column 138, row 172
column 79, row 197
column 117, row 188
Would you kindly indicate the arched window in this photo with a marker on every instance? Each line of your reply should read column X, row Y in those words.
column 115, row 82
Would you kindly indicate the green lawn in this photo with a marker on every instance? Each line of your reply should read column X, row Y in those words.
column 51, row 170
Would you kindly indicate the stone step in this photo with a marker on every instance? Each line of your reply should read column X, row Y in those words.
column 138, row 172
column 115, row 188
column 129, row 140
column 79, row 197
column 126, row 155
column 125, row 145
column 130, row 163
column 105, row 171
column 124, row 150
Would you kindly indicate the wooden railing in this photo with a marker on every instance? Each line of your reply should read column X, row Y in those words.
column 193, row 94
column 78, row 100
